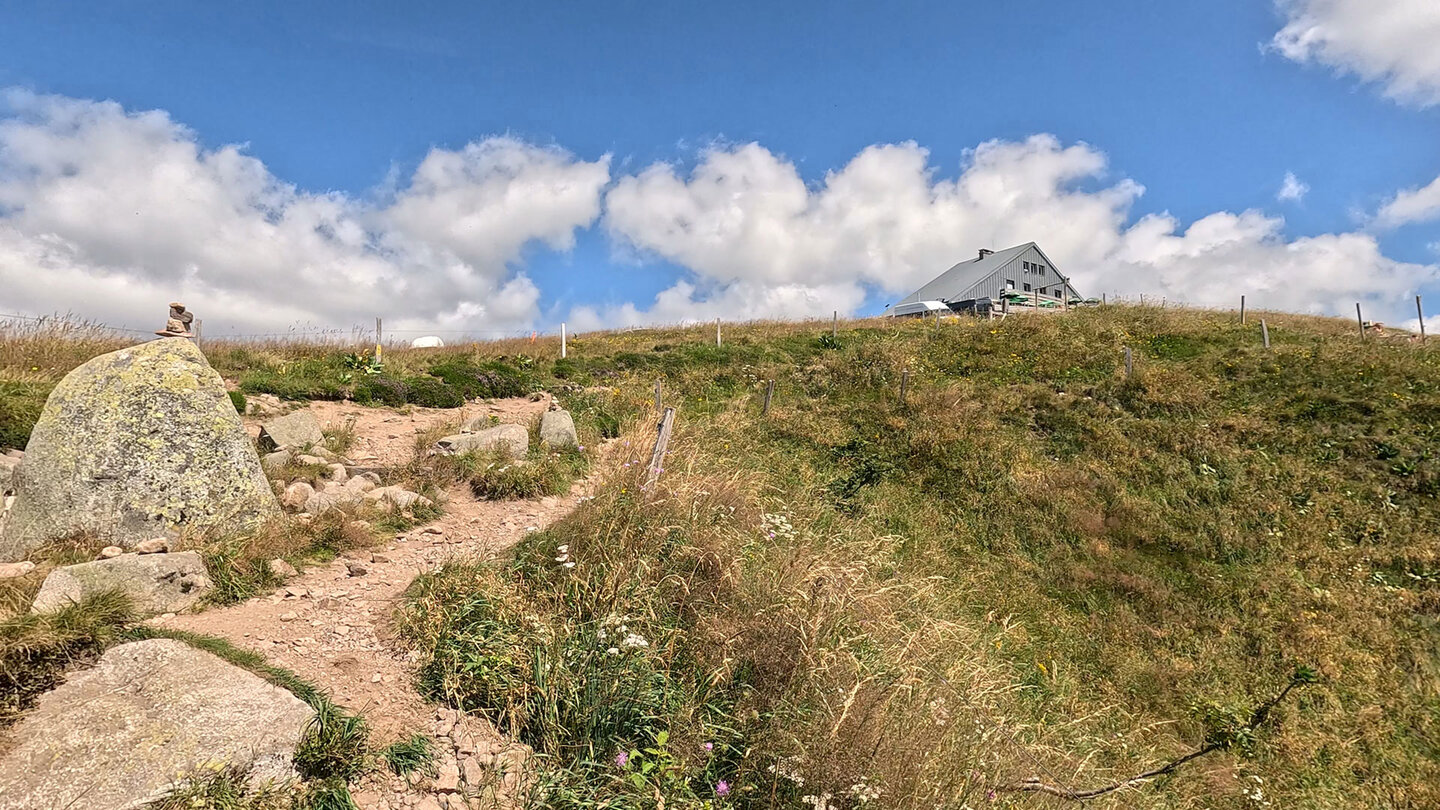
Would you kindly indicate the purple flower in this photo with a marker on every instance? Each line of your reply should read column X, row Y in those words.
column 621, row 758
column 722, row 788
column 709, row 746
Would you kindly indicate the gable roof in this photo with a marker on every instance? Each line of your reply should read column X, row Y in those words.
column 953, row 283
column 949, row 284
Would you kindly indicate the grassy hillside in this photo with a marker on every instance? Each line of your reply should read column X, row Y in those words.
column 1030, row 567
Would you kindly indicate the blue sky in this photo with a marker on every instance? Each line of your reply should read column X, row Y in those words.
column 1196, row 102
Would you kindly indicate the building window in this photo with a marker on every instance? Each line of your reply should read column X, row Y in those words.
column 1009, row 284
column 1027, row 288
column 1042, row 291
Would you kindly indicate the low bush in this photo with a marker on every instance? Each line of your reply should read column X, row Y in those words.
column 483, row 380
column 498, row 477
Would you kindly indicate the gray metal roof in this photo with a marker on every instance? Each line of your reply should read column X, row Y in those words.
column 950, row 284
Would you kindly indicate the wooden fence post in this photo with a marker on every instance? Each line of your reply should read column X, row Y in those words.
column 769, row 392
column 199, row 334
column 1359, row 319
column 1420, row 315
column 662, row 442
column 1264, row 333
column 658, row 406
column 1129, row 364
column 1242, row 310
column 378, row 340
column 562, row 340
column 717, row 331
column 904, row 383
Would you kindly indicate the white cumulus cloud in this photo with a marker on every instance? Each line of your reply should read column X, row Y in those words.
column 111, row 213
column 1391, row 42
column 760, row 242
column 1291, row 189
column 1411, row 205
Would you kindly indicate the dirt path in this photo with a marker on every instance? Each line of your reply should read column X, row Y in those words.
column 329, row 625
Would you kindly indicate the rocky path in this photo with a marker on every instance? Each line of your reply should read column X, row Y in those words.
column 330, row 626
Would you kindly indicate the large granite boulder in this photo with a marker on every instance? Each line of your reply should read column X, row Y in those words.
column 155, row 583
column 512, row 439
column 119, row 734
column 133, row 444
column 557, row 429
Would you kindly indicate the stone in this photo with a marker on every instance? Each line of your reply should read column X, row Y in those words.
column 472, row 772
column 511, row 439
column 377, row 557
column 448, row 777
column 110, row 552
column 332, row 498
column 296, row 496
column 273, row 463
column 557, row 429
column 263, row 405
column 296, row 430
column 115, row 735
column 7, row 473
column 136, row 443
column 155, row 545
column 289, row 616
column 428, row 803
column 16, row 569
column 155, row 583
column 396, row 497
column 281, row 569
column 337, row 473
column 355, row 569
column 360, row 484
column 178, row 323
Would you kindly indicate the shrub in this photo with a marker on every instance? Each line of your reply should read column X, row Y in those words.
column 381, row 389
column 498, row 477
column 430, row 392
column 237, row 399
column 488, row 380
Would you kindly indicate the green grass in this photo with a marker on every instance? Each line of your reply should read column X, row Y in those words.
column 498, row 477
column 37, row 649
column 412, row 755
column 1031, row 565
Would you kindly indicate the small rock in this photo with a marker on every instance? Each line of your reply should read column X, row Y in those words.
column 375, row 678
column 281, row 569
column 557, row 429
column 298, row 429
column 432, row 530
column 272, row 463
column 337, row 473
column 289, row 616
column 17, row 569
column 155, row 583
column 311, row 460
column 296, row 496
column 296, row 592
column 376, row 557
column 155, row 545
column 110, row 552
column 355, row 569
column 428, row 803
column 472, row 772
column 448, row 779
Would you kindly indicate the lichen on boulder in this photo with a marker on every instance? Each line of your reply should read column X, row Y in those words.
column 133, row 444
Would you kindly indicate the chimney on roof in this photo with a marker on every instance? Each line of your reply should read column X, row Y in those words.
column 984, row 252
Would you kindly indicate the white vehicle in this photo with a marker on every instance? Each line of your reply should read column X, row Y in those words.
column 919, row 309
column 427, row 342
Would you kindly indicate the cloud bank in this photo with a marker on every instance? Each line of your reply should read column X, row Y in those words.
column 763, row 244
column 1390, row 42
column 110, row 213
column 107, row 212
